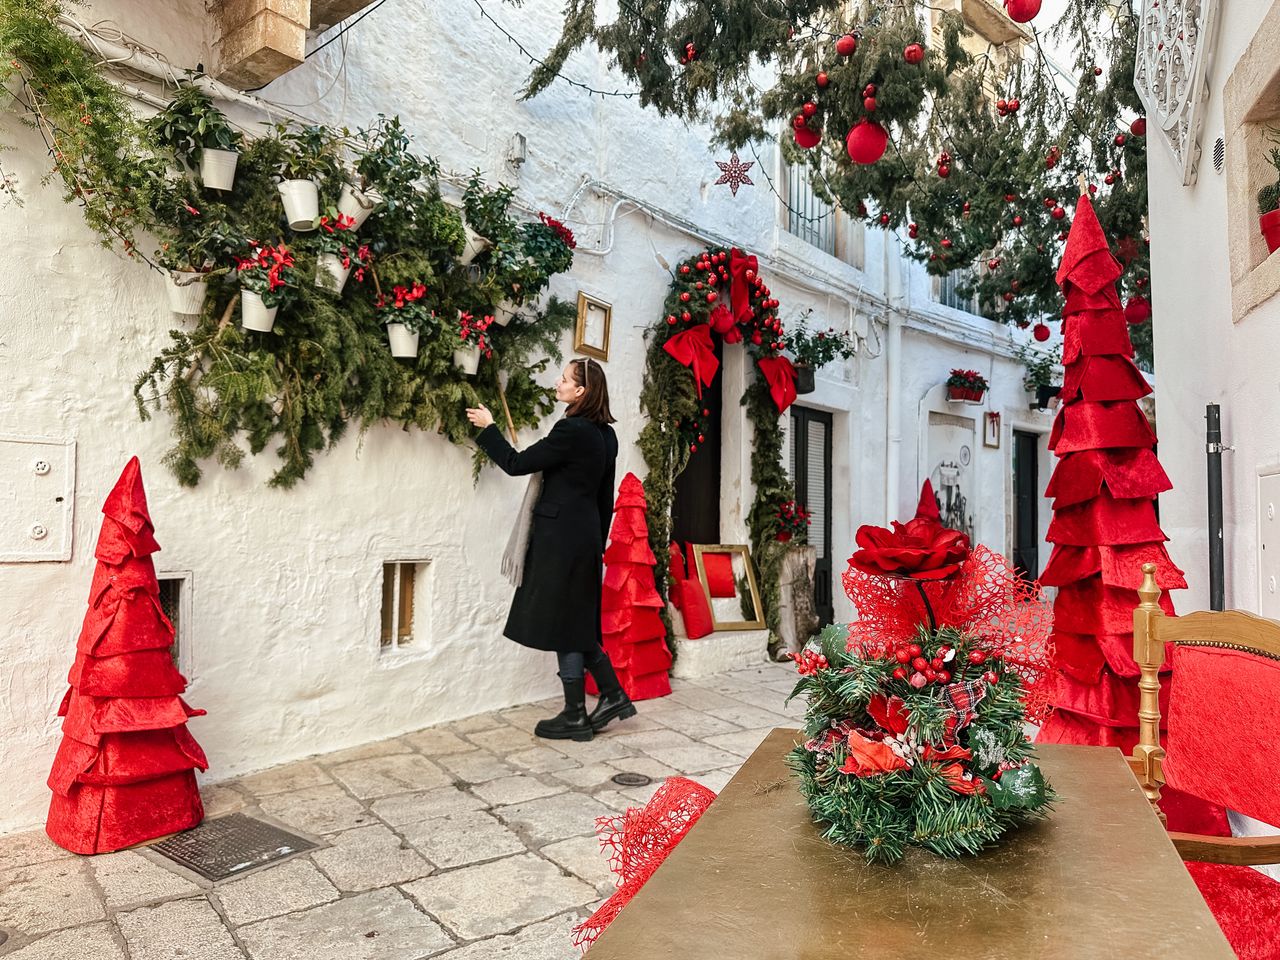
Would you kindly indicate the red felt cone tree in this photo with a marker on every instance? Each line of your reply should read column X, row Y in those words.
column 634, row 635
column 124, row 771
column 1103, row 488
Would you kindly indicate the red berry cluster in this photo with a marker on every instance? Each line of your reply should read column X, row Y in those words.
column 918, row 667
column 1007, row 107
column 809, row 662
column 693, row 431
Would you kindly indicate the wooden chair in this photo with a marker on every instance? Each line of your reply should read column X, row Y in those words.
column 1241, row 898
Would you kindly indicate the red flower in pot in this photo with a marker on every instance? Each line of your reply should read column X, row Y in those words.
column 920, row 549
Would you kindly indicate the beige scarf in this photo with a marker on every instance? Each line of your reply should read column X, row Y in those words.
column 518, row 543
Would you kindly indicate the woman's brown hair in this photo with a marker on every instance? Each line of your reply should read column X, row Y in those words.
column 594, row 402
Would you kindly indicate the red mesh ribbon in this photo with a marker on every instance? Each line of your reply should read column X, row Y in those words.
column 638, row 841
column 693, row 349
column 987, row 599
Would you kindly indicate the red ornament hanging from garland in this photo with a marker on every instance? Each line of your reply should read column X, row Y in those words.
column 866, row 142
column 847, row 45
column 1041, row 332
column 1137, row 310
column 1022, row 11
column 913, row 53
column 807, row 137
column 1139, row 127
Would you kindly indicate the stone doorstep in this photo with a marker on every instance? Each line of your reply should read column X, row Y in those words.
column 719, row 652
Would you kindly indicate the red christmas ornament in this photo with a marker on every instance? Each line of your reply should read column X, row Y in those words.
column 1041, row 332
column 884, row 219
column 899, row 673
column 993, row 263
column 685, row 269
column 869, row 104
column 822, row 80
column 1137, row 310
column 913, row 53
column 1109, row 179
column 685, row 297
column 866, row 142
column 991, row 676
column 1120, row 140
column 846, row 45
column 671, row 319
column 1097, row 71
column 946, row 243
column 809, row 108
column 1017, row 220
column 711, row 297
column 1022, row 11
column 686, row 316
column 1008, row 297
column 1010, row 197
column 807, row 138
column 976, row 657
column 1014, row 105
column 913, row 231
column 1058, row 213
column 1002, row 105
column 798, row 121
column 1139, row 127
column 944, row 171
column 869, row 90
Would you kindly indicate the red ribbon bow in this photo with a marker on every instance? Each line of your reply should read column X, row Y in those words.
column 693, row 349
column 781, row 377
column 740, row 286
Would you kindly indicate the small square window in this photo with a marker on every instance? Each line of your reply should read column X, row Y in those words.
column 401, row 583
column 175, row 602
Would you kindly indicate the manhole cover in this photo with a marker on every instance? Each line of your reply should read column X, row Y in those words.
column 230, row 845
column 631, row 780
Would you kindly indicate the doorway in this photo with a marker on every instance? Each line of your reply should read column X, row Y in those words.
column 1026, row 503
column 695, row 504
column 811, row 473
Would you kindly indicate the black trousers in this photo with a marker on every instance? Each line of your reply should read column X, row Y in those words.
column 574, row 662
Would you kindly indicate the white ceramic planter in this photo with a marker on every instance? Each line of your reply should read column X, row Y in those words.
column 218, row 168
column 475, row 246
column 187, row 292
column 301, row 203
column 330, row 273
column 404, row 342
column 504, row 312
column 467, row 359
column 357, row 204
column 254, row 314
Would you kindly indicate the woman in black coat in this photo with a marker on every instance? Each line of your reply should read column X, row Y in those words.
column 557, row 603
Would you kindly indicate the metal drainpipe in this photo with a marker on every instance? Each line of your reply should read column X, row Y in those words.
column 1213, row 450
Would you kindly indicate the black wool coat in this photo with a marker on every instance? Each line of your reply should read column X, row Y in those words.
column 557, row 605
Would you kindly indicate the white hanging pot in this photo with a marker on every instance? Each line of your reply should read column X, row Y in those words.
column 330, row 273
column 467, row 359
column 301, row 203
column 404, row 342
column 218, row 168
column 254, row 314
column 187, row 292
column 357, row 204
column 475, row 246
column 504, row 312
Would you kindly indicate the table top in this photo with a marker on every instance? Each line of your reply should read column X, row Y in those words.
column 754, row 880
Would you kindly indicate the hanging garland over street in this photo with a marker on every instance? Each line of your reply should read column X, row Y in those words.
column 974, row 157
column 717, row 294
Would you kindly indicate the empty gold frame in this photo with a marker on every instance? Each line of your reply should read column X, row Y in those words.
column 591, row 336
column 746, row 589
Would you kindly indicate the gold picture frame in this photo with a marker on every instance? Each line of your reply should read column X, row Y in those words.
column 591, row 335
column 991, row 429
column 745, row 552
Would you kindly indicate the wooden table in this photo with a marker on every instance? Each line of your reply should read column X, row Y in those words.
column 754, row 880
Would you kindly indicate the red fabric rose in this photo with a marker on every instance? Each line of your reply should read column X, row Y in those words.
column 920, row 549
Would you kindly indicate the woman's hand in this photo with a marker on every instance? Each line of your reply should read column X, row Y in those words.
column 480, row 416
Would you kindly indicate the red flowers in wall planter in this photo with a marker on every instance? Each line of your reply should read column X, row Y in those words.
column 793, row 521
column 472, row 332
column 966, row 386
column 1269, row 206
column 406, row 315
column 267, row 280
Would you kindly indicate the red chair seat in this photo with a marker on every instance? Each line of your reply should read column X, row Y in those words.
column 1245, row 903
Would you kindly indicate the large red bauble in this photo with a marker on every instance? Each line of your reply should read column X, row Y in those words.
column 846, row 45
column 869, row 104
column 866, row 142
column 1137, row 310
column 913, row 53
column 808, row 138
column 1058, row 213
column 1139, row 127
column 1041, row 332
column 1022, row 11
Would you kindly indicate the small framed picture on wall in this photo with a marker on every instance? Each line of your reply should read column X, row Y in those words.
column 591, row 336
column 991, row 429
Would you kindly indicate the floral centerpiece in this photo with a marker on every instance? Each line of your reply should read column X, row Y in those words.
column 967, row 385
column 914, row 729
column 267, row 280
column 793, row 522
column 813, row 350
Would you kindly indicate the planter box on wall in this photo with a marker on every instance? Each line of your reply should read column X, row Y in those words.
column 965, row 394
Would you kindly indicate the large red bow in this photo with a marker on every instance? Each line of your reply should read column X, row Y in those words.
column 739, row 285
column 781, row 376
column 693, row 348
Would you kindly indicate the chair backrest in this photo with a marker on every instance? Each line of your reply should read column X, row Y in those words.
column 1223, row 704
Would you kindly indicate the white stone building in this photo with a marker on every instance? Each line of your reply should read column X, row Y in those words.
column 280, row 592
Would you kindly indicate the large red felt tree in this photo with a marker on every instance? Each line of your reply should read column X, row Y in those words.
column 125, row 770
column 1104, row 488
column 634, row 635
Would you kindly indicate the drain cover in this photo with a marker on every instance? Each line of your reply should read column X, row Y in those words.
column 631, row 780
column 231, row 845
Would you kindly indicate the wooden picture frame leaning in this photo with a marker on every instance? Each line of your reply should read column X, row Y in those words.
column 591, row 334
column 745, row 552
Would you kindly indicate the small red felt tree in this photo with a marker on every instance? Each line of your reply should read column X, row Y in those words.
column 634, row 635
column 1103, row 488
column 124, row 772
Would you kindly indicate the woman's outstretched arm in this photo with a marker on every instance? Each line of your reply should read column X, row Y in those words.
column 550, row 451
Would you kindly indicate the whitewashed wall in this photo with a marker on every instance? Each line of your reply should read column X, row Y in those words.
column 282, row 642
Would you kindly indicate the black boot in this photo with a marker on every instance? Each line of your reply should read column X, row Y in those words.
column 572, row 722
column 613, row 702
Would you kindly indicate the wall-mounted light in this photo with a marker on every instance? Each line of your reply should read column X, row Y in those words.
column 517, row 151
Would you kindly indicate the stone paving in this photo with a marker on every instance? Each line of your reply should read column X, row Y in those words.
column 466, row 841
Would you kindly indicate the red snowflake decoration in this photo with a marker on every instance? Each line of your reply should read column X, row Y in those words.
column 734, row 173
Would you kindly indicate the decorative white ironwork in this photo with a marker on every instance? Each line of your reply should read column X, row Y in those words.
column 1175, row 50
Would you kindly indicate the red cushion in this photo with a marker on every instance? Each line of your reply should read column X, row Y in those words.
column 719, row 569
column 676, row 568
column 1221, row 740
column 1245, row 903
column 693, row 607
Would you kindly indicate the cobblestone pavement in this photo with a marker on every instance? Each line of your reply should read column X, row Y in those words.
column 466, row 841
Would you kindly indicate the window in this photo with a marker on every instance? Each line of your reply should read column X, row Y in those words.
column 175, row 602
column 400, row 582
column 816, row 222
column 948, row 291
